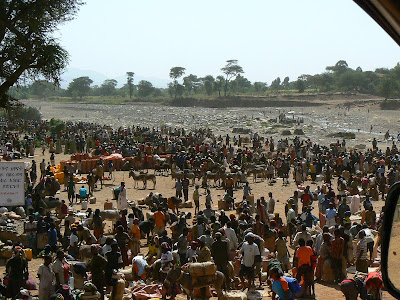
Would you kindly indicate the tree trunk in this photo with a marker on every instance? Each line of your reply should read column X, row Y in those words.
column 10, row 81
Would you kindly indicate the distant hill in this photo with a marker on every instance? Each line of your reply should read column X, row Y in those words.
column 98, row 78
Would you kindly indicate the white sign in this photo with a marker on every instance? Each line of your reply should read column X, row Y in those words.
column 12, row 178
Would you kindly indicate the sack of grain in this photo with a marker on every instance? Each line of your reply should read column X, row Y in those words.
column 222, row 204
column 118, row 291
column 6, row 252
column 128, row 274
column 202, row 269
column 13, row 216
column 234, row 296
column 188, row 204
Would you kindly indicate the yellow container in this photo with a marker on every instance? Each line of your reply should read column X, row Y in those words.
column 59, row 177
column 28, row 253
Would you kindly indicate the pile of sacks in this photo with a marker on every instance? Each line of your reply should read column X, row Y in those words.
column 17, row 215
column 6, row 251
column 11, row 224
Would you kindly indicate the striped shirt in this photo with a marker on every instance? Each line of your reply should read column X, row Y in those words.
column 362, row 247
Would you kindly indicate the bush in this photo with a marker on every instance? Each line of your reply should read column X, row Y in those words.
column 24, row 113
column 390, row 105
column 298, row 131
column 56, row 125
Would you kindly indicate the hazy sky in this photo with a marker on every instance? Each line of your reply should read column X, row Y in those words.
column 270, row 38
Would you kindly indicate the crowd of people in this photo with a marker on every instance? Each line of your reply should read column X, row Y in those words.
column 314, row 241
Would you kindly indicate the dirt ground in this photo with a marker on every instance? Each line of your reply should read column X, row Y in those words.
column 165, row 185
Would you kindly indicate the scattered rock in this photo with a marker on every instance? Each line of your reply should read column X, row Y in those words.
column 286, row 132
column 343, row 134
column 241, row 130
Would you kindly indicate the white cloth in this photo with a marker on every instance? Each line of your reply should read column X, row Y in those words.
column 106, row 248
column 249, row 253
column 231, row 236
column 330, row 223
column 122, row 201
column 46, row 281
column 302, row 235
column 73, row 240
column 355, row 204
column 369, row 235
column 291, row 214
column 271, row 205
column 166, row 259
column 58, row 269
column 141, row 264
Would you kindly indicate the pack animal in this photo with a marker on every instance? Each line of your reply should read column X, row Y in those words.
column 188, row 284
column 144, row 178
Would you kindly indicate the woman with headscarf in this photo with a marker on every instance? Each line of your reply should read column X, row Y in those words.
column 97, row 224
column 167, row 262
column 323, row 255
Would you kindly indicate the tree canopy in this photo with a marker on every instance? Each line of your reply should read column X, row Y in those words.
column 231, row 70
column 175, row 73
column 79, row 87
column 145, row 88
column 340, row 77
column 27, row 46
column 130, row 83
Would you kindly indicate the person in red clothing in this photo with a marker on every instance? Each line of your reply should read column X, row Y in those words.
column 337, row 249
column 374, row 285
column 63, row 210
column 306, row 199
column 304, row 255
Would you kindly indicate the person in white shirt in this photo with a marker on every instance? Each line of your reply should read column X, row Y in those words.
column 319, row 239
column 46, row 277
column 369, row 238
column 231, row 236
column 249, row 252
column 291, row 221
column 61, row 269
column 107, row 246
column 166, row 260
column 271, row 204
column 73, row 243
column 330, row 215
column 302, row 235
column 122, row 200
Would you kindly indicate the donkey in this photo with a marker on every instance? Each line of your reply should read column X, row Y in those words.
column 137, row 178
column 144, row 178
column 186, row 281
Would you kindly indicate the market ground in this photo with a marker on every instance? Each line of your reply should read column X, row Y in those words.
column 165, row 185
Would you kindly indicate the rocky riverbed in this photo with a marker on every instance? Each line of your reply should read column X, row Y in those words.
column 318, row 123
